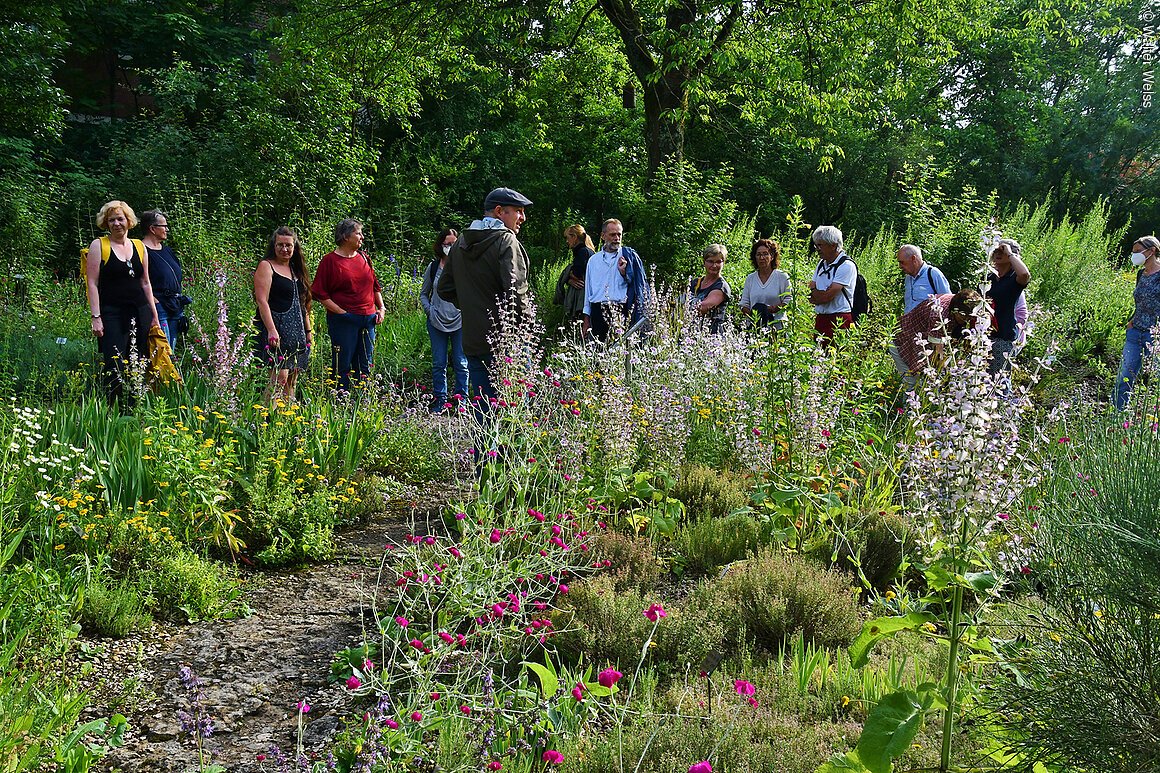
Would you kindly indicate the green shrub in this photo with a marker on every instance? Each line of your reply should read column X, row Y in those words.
column 113, row 609
column 710, row 446
column 185, row 586
column 876, row 546
column 600, row 624
column 711, row 492
column 708, row 544
column 408, row 452
column 776, row 594
column 634, row 563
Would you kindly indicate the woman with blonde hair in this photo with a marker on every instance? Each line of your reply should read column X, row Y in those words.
column 120, row 296
column 710, row 294
column 570, row 287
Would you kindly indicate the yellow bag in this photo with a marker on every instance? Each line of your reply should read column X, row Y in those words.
column 161, row 368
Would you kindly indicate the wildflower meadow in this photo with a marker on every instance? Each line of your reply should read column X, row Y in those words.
column 675, row 551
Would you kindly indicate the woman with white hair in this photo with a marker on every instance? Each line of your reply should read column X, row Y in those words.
column 832, row 288
column 1146, row 255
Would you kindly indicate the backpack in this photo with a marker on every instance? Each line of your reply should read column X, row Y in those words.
column 860, row 302
column 106, row 251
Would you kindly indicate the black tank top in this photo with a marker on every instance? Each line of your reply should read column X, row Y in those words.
column 119, row 283
column 281, row 295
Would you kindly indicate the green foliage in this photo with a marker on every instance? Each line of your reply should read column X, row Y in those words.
column 407, row 451
column 632, row 562
column 776, row 594
column 706, row 544
column 711, row 492
column 188, row 588
column 1078, row 689
column 113, row 608
column 875, row 546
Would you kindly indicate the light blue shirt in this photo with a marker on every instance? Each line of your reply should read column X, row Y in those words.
column 916, row 289
column 603, row 282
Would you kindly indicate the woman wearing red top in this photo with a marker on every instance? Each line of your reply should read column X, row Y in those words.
column 347, row 287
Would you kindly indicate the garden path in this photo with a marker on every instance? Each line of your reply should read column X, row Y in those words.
column 254, row 669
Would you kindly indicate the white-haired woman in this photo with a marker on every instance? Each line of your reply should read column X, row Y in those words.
column 1146, row 255
column 120, row 296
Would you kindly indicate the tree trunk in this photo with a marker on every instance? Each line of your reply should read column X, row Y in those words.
column 665, row 102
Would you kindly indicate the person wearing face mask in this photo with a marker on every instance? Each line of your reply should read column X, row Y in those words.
column 444, row 327
column 613, row 282
column 1145, row 255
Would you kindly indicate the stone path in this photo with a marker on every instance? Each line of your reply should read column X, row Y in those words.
column 253, row 670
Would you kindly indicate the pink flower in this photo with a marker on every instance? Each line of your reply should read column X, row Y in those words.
column 303, row 706
column 552, row 757
column 701, row 767
column 368, row 665
column 578, row 692
column 495, row 765
column 466, row 710
column 446, row 637
column 752, row 701
column 391, row 724
column 563, row 589
column 455, row 552
column 434, row 696
column 608, row 677
column 353, row 683
column 416, row 716
column 1002, row 516
column 496, row 536
column 402, row 621
column 743, row 687
column 655, row 612
column 460, row 516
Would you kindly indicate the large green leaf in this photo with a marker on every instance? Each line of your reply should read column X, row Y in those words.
column 880, row 628
column 889, row 731
column 549, row 682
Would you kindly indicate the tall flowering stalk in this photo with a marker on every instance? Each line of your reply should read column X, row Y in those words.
column 222, row 359
column 965, row 466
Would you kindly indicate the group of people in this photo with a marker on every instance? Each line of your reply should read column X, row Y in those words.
column 478, row 280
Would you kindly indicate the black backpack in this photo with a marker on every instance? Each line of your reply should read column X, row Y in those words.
column 861, row 302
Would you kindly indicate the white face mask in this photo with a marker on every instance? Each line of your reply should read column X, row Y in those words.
column 1138, row 259
column 446, row 249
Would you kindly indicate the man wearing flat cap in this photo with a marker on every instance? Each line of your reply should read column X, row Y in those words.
column 488, row 267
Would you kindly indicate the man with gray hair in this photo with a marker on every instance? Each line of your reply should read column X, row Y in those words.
column 832, row 288
column 488, row 267
column 921, row 279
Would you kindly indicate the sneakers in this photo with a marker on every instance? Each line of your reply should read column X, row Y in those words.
column 438, row 405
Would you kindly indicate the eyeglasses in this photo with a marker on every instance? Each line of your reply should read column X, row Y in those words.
column 160, row 225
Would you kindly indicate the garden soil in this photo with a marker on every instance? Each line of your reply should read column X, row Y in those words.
column 254, row 670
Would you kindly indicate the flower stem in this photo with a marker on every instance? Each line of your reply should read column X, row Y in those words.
column 952, row 678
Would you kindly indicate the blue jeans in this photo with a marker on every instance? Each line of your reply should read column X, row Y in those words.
column 481, row 386
column 164, row 319
column 440, row 344
column 352, row 342
column 1135, row 346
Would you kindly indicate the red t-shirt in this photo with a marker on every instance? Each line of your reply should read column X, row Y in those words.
column 349, row 282
column 928, row 320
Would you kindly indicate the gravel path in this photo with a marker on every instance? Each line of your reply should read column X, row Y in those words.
column 253, row 670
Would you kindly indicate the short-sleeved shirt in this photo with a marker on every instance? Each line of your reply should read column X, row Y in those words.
column 928, row 321
column 916, row 289
column 1004, row 291
column 773, row 292
column 846, row 275
column 1147, row 298
column 349, row 282
column 698, row 294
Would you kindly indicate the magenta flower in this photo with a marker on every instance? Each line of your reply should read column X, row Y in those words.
column 608, row 677
column 655, row 612
column 466, row 710
column 368, row 665
column 446, row 637
column 496, row 536
column 460, row 516
column 402, row 621
column 578, row 692
column 391, row 724
column 495, row 765
column 417, row 716
column 743, row 687
column 552, row 757
column 353, row 683
column 701, row 767
column 303, row 706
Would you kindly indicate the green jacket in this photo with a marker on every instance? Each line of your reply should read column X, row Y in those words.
column 487, row 263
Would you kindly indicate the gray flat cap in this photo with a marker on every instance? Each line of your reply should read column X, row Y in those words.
column 505, row 197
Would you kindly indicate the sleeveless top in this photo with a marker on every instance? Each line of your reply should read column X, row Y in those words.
column 119, row 283
column 281, row 292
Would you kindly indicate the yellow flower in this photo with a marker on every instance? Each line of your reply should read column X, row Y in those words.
column 889, row 595
column 845, row 700
column 929, row 627
column 147, row 441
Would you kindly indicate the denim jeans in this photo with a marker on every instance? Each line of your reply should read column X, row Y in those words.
column 352, row 342
column 482, row 390
column 1135, row 347
column 166, row 323
column 442, row 344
